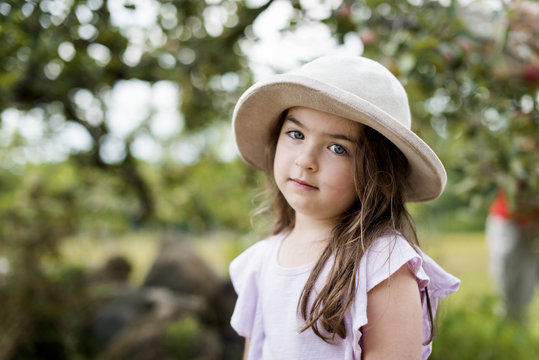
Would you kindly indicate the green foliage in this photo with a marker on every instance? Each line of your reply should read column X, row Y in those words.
column 471, row 330
column 189, row 340
column 183, row 335
column 45, row 316
column 61, row 60
column 37, row 208
column 473, row 96
column 41, row 313
column 207, row 195
column 472, row 92
column 451, row 212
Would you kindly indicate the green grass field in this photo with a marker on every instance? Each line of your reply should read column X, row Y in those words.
column 463, row 255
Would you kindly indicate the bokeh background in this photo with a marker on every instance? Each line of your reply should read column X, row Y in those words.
column 122, row 199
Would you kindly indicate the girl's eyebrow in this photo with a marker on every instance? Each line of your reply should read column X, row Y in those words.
column 294, row 120
column 335, row 136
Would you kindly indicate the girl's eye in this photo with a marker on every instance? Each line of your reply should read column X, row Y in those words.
column 294, row 134
column 338, row 149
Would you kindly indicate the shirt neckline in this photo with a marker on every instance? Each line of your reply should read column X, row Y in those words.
column 285, row 270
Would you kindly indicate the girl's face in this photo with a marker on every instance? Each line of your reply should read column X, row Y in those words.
column 314, row 164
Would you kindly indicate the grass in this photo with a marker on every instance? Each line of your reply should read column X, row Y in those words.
column 91, row 252
column 140, row 249
column 465, row 256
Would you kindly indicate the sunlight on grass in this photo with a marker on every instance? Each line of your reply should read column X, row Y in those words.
column 218, row 250
column 463, row 255
column 139, row 248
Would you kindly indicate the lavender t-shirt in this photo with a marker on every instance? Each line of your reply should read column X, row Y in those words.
column 266, row 311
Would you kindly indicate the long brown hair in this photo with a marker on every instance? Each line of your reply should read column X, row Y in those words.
column 381, row 172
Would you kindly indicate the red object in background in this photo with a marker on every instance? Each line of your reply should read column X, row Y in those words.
column 531, row 74
column 499, row 206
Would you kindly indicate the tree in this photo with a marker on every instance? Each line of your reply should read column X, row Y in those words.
column 64, row 57
column 472, row 77
column 59, row 62
column 466, row 87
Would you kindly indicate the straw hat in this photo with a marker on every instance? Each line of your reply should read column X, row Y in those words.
column 352, row 87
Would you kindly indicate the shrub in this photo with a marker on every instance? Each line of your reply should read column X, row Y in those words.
column 473, row 330
column 188, row 339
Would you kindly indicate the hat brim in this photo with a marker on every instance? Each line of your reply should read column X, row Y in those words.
column 260, row 107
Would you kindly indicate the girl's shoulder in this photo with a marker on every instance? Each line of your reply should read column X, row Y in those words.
column 260, row 248
column 390, row 247
column 383, row 258
column 389, row 253
column 254, row 257
column 245, row 273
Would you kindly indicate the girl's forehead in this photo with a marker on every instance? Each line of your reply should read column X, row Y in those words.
column 323, row 120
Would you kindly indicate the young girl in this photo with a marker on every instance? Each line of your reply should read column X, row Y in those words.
column 342, row 276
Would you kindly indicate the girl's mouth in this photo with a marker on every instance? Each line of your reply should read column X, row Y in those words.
column 300, row 184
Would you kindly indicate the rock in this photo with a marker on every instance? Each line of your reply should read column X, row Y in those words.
column 222, row 303
column 134, row 306
column 143, row 342
column 116, row 269
column 222, row 306
column 184, row 339
column 180, row 269
column 182, row 310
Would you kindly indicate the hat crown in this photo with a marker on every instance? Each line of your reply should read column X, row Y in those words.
column 364, row 78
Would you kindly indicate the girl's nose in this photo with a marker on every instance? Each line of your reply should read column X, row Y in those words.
column 307, row 160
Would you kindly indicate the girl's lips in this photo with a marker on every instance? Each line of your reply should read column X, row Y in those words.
column 303, row 185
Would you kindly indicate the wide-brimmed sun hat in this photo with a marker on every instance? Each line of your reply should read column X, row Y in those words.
column 352, row 87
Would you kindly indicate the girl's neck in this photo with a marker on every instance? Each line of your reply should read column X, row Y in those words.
column 305, row 243
column 307, row 229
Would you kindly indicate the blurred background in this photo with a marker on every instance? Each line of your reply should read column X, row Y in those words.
column 122, row 199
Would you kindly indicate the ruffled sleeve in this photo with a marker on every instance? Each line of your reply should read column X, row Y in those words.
column 381, row 260
column 440, row 284
column 244, row 274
